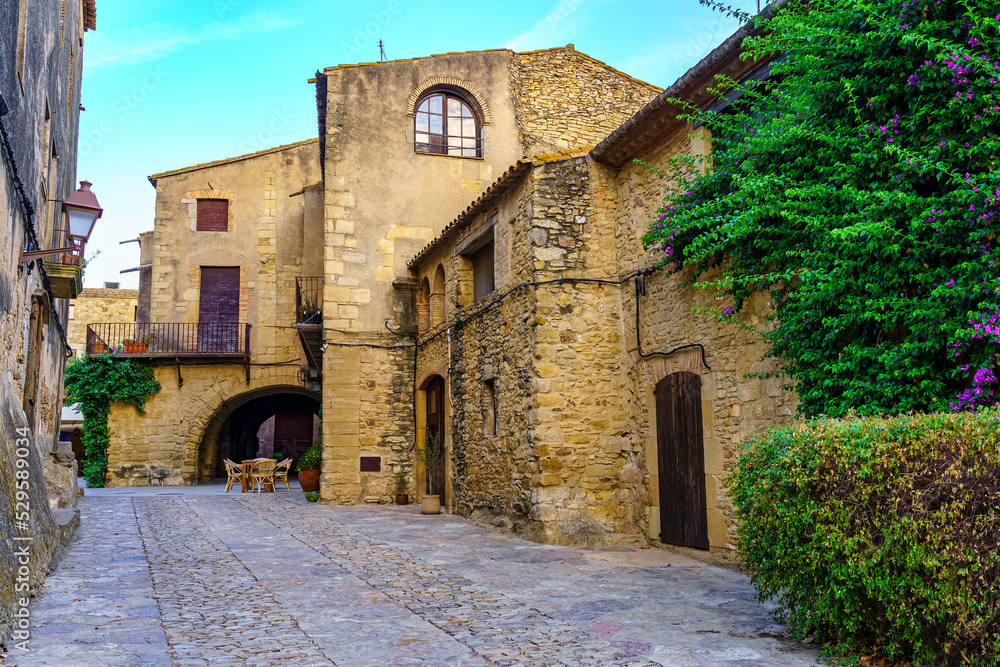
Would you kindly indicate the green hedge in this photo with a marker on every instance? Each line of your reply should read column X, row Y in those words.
column 879, row 534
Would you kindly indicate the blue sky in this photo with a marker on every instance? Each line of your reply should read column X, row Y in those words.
column 171, row 83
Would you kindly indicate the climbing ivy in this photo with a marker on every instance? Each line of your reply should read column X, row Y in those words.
column 858, row 188
column 92, row 383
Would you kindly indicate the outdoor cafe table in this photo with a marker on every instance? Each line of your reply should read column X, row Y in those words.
column 248, row 467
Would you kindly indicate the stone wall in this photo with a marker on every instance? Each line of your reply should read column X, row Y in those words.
column 563, row 467
column 566, row 99
column 40, row 77
column 98, row 305
column 733, row 405
column 169, row 444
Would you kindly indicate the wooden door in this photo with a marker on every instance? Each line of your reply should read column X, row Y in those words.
column 681, row 454
column 435, row 426
column 219, row 310
column 293, row 432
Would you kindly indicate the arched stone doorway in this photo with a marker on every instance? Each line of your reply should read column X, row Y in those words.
column 233, row 431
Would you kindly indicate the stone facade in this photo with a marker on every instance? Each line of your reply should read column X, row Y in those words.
column 40, row 77
column 383, row 201
column 98, row 305
column 185, row 431
column 553, row 355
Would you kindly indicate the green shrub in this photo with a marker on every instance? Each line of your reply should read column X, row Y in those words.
column 312, row 459
column 880, row 534
column 312, row 496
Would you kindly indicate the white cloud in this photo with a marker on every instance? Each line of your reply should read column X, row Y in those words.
column 152, row 41
column 558, row 26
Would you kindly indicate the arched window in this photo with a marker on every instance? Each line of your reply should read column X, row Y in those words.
column 424, row 306
column 437, row 297
column 445, row 124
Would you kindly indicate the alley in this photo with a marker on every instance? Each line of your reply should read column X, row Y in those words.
column 183, row 579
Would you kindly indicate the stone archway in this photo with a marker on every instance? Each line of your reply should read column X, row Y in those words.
column 232, row 430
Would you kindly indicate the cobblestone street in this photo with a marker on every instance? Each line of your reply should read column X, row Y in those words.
column 184, row 579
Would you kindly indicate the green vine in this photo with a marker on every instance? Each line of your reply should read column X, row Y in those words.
column 857, row 188
column 92, row 383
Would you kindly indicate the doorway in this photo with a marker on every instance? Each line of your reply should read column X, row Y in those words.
column 681, row 461
column 435, row 427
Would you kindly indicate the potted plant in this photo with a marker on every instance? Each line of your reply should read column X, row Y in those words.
column 433, row 457
column 308, row 467
column 401, row 483
column 129, row 346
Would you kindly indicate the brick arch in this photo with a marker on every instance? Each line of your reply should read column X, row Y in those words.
column 444, row 82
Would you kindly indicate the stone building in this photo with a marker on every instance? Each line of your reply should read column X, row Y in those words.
column 98, row 305
column 274, row 282
column 40, row 74
column 234, row 282
column 583, row 397
column 459, row 255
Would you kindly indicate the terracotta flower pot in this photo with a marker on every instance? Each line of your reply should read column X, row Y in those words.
column 402, row 499
column 309, row 480
column 430, row 504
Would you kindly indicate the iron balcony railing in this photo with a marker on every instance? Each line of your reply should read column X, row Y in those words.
column 309, row 300
column 170, row 340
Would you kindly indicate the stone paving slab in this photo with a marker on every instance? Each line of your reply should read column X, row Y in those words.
column 273, row 580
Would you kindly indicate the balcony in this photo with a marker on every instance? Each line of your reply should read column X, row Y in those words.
column 169, row 340
column 309, row 301
column 309, row 321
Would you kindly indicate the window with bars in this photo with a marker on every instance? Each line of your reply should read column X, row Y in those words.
column 213, row 215
column 445, row 124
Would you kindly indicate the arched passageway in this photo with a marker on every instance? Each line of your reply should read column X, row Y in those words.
column 235, row 432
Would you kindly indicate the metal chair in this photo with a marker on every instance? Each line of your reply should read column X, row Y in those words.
column 234, row 471
column 281, row 474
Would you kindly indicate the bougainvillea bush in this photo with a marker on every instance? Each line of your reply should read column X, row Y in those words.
column 881, row 534
column 858, row 186
column 92, row 383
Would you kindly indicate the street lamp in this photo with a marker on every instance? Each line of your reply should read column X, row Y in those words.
column 79, row 214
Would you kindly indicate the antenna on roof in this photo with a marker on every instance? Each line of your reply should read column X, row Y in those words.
column 381, row 50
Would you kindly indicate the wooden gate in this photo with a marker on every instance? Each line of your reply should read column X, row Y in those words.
column 681, row 454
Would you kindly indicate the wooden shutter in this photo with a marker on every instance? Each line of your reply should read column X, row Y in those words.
column 681, row 464
column 482, row 271
column 213, row 215
column 219, row 309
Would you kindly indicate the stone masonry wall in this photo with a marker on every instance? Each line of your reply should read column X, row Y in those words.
column 564, row 467
column 733, row 405
column 487, row 476
column 98, row 305
column 566, row 99
column 40, row 86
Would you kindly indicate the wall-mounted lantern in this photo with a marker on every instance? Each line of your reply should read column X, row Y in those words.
column 79, row 214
